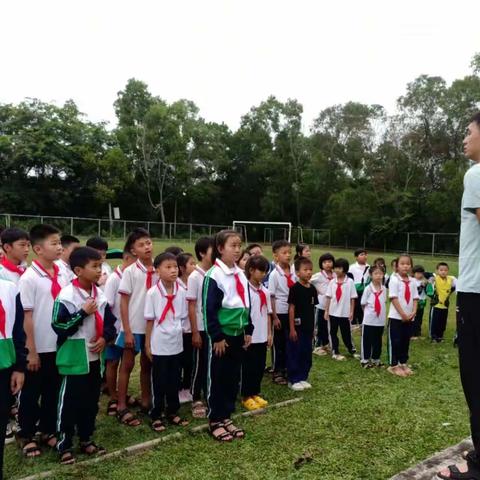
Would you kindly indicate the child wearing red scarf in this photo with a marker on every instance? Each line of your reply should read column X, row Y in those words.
column 16, row 246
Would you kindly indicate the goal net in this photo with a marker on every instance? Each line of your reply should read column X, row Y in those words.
column 263, row 232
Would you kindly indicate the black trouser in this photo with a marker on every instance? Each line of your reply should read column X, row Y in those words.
column 417, row 322
column 280, row 347
column 371, row 342
column 438, row 323
column 5, row 404
column 38, row 398
column 345, row 329
column 468, row 328
column 224, row 378
column 358, row 311
column 299, row 357
column 165, row 385
column 253, row 365
column 78, row 406
column 186, row 360
column 322, row 339
column 399, row 334
column 199, row 370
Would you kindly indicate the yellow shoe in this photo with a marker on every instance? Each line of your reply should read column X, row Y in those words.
column 260, row 401
column 250, row 404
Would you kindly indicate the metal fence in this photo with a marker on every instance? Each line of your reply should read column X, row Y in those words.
column 429, row 243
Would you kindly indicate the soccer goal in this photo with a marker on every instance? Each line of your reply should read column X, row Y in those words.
column 267, row 231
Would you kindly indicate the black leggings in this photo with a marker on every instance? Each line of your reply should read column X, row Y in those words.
column 344, row 324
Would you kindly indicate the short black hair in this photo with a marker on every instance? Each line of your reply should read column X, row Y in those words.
column 476, row 119
column 405, row 255
column 359, row 251
column 174, row 249
column 13, row 234
column 67, row 240
column 376, row 267
column 442, row 264
column 418, row 269
column 324, row 258
column 163, row 257
column 202, row 245
column 278, row 244
column 342, row 263
column 302, row 261
column 82, row 255
column 257, row 262
column 251, row 246
column 98, row 243
column 183, row 258
column 41, row 232
column 134, row 235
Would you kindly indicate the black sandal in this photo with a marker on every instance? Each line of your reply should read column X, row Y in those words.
column 133, row 402
column 30, row 452
column 131, row 421
column 279, row 380
column 233, row 430
column 473, row 472
column 218, row 432
column 177, row 421
column 46, row 439
column 112, row 408
column 67, row 458
column 91, row 448
column 158, row 426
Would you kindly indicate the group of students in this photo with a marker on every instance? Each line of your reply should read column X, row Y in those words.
column 202, row 327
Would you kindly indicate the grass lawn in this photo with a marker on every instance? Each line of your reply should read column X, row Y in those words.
column 353, row 424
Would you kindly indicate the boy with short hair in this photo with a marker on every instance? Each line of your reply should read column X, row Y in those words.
column 302, row 300
column 39, row 286
column 101, row 245
column 16, row 246
column 440, row 288
column 421, row 282
column 137, row 279
column 84, row 323
column 203, row 252
column 359, row 271
column 69, row 244
column 280, row 281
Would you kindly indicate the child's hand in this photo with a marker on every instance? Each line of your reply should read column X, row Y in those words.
column 326, row 316
column 97, row 344
column 270, row 341
column 220, row 347
column 148, row 352
column 196, row 340
column 247, row 341
column 350, row 317
column 90, row 306
column 277, row 325
column 33, row 362
column 129, row 340
column 16, row 382
column 293, row 335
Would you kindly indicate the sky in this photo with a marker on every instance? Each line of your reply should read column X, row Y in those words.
column 228, row 56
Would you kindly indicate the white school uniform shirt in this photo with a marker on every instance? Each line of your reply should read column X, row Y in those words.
column 6, row 274
column 397, row 290
column 359, row 271
column 65, row 267
column 186, row 328
column 370, row 317
column 133, row 283
column 260, row 318
column 113, row 296
column 167, row 336
column 195, row 293
column 419, row 284
column 341, row 309
column 106, row 272
column 320, row 281
column 35, row 294
column 279, row 290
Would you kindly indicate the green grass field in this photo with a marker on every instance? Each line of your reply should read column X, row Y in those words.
column 353, row 424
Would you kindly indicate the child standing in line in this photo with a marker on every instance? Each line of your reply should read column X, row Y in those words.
column 301, row 250
column 403, row 309
column 280, row 281
column 203, row 252
column 101, row 245
column 320, row 281
column 165, row 308
column 301, row 311
column 84, row 323
column 394, row 267
column 440, row 289
column 226, row 305
column 374, row 303
column 380, row 262
column 339, row 308
column 113, row 353
column 255, row 357
column 16, row 247
column 186, row 266
column 421, row 283
column 359, row 272
column 244, row 256
column 69, row 244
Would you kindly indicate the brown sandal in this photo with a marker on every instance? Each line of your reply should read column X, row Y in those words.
column 218, row 431
column 126, row 417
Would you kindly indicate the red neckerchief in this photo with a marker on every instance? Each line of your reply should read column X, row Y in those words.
column 338, row 291
column 407, row 290
column 377, row 306
column 169, row 306
column 11, row 267
column 148, row 271
column 238, row 285
column 55, row 290
column 288, row 277
column 329, row 278
column 3, row 321
column 97, row 314
column 261, row 294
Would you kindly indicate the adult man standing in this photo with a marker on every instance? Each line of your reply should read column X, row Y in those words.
column 468, row 302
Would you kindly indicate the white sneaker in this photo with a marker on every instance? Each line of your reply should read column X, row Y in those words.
column 297, row 387
column 306, row 384
column 10, row 434
column 320, row 351
column 338, row 357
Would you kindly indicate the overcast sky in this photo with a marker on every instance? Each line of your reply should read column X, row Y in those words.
column 226, row 55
